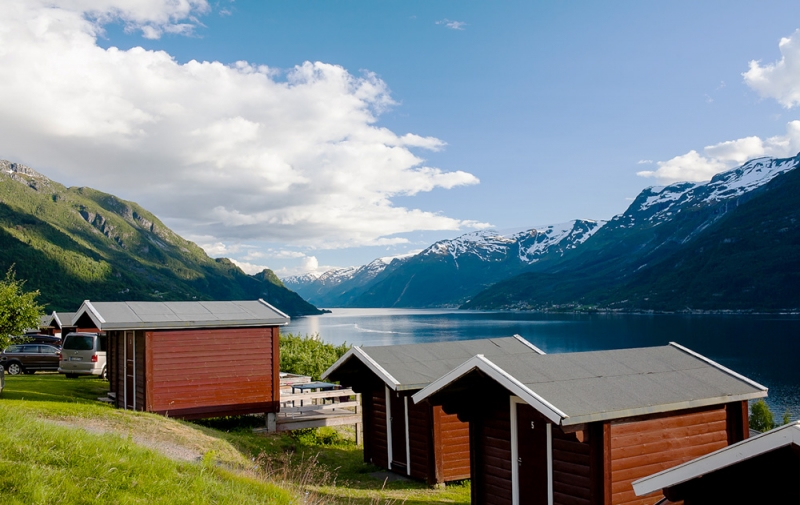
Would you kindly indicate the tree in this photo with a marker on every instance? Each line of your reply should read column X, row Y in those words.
column 18, row 308
column 761, row 418
column 308, row 355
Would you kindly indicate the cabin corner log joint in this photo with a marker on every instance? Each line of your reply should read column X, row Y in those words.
column 580, row 428
column 191, row 360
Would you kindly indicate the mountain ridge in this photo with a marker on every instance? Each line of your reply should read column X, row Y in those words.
column 659, row 222
column 79, row 243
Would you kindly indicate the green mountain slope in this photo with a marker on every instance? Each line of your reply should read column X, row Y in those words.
column 74, row 244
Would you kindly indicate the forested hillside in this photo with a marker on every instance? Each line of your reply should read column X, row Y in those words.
column 74, row 244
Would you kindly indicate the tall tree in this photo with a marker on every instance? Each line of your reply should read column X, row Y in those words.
column 19, row 309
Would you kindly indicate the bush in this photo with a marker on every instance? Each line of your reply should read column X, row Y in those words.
column 308, row 355
column 761, row 418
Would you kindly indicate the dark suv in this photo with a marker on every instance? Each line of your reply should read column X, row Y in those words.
column 37, row 338
column 28, row 358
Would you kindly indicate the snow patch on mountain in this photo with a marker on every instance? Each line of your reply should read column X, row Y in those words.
column 661, row 203
column 531, row 244
column 539, row 241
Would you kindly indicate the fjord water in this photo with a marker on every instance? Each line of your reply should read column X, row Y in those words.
column 764, row 348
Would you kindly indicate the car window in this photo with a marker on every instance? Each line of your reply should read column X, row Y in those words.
column 79, row 342
column 47, row 349
column 14, row 348
column 30, row 348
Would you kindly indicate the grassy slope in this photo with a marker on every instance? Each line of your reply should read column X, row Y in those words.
column 44, row 460
column 45, row 456
column 78, row 243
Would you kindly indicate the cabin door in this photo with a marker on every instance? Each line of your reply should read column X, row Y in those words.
column 130, row 371
column 398, row 422
column 531, row 456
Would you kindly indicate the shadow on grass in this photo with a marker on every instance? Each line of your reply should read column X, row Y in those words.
column 53, row 387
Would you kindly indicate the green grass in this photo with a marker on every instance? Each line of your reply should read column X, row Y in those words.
column 58, row 444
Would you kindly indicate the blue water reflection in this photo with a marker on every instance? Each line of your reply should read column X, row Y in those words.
column 763, row 348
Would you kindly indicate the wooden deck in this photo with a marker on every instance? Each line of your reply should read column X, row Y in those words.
column 319, row 408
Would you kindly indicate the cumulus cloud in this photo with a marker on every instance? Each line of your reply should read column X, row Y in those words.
column 233, row 152
column 779, row 80
column 716, row 158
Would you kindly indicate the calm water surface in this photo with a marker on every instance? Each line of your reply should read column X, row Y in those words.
column 763, row 348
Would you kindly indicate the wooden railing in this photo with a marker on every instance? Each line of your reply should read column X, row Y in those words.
column 315, row 409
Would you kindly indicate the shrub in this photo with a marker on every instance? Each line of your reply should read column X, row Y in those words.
column 308, row 355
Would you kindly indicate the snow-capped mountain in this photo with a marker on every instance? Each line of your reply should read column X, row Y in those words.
column 657, row 224
column 327, row 287
column 726, row 243
column 657, row 204
column 529, row 245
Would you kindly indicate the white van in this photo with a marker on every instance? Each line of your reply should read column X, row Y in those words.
column 83, row 354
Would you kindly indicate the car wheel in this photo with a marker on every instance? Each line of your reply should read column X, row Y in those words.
column 72, row 376
column 14, row 369
column 104, row 374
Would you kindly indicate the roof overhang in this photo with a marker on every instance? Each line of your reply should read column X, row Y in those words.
column 722, row 458
column 480, row 362
column 88, row 309
column 356, row 352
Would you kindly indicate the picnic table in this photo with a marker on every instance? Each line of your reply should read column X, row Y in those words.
column 314, row 386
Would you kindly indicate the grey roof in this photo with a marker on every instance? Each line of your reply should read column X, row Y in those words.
column 591, row 386
column 62, row 318
column 414, row 366
column 164, row 315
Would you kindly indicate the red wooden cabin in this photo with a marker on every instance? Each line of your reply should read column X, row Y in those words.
column 58, row 324
column 579, row 428
column 760, row 469
column 191, row 359
column 420, row 441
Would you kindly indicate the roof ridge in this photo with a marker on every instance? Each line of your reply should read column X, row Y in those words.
column 718, row 366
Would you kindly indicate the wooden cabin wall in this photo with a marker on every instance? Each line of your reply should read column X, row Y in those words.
column 111, row 367
column 141, row 367
column 644, row 446
column 115, row 366
column 420, row 441
column 374, row 418
column 572, row 468
column 452, row 447
column 212, row 372
column 490, row 441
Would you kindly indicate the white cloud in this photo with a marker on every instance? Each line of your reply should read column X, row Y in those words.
column 779, row 80
column 644, row 162
column 249, row 268
column 453, row 25
column 694, row 166
column 232, row 152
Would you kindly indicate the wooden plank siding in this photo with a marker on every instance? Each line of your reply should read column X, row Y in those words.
column 420, row 440
column 490, row 437
column 452, row 446
column 572, row 469
column 375, row 450
column 642, row 447
column 206, row 372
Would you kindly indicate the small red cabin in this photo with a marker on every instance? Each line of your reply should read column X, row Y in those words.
column 420, row 441
column 579, row 428
column 58, row 324
column 191, row 359
column 760, row 469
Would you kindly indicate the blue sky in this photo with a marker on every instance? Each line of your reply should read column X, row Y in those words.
column 521, row 113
